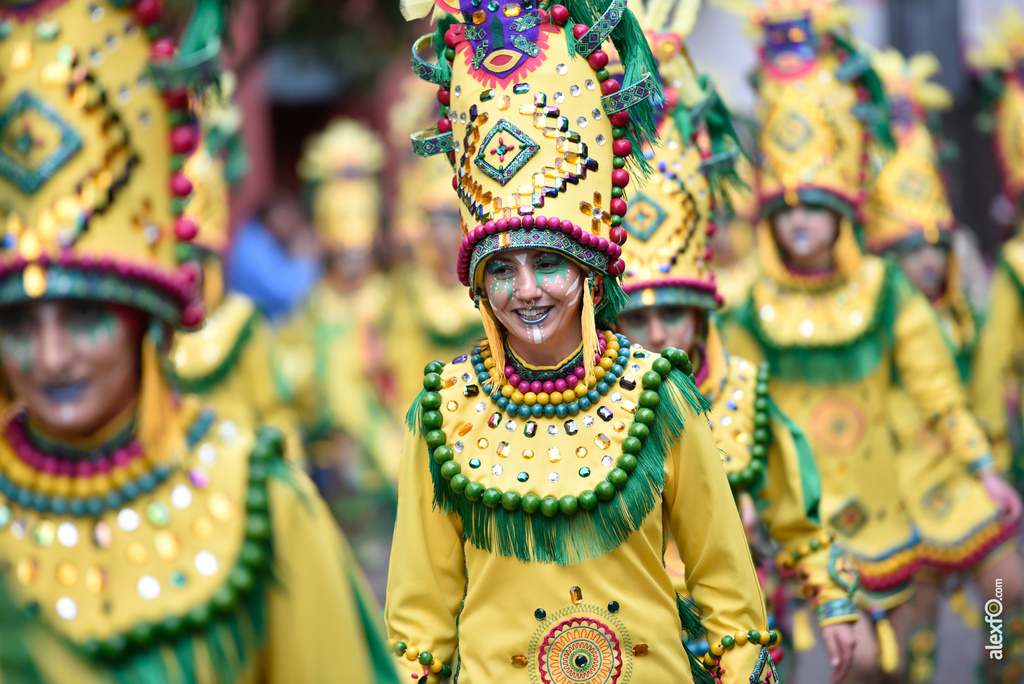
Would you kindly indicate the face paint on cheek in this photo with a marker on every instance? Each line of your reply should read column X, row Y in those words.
column 574, row 286
column 67, row 412
column 548, row 274
column 538, row 334
column 504, row 285
column 18, row 350
column 95, row 334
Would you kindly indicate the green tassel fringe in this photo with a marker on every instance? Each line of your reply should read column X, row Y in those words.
column 443, row 65
column 202, row 386
column 413, row 417
column 208, row 23
column 16, row 665
column 873, row 84
column 637, row 60
column 567, row 540
column 613, row 302
column 835, row 364
column 689, row 616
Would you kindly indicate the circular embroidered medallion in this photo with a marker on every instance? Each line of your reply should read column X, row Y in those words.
column 578, row 650
column 837, row 425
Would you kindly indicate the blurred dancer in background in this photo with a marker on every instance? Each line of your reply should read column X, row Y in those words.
column 962, row 527
column 146, row 538
column 672, row 297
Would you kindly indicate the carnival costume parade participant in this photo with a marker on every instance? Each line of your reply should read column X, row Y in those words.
column 229, row 360
column 733, row 242
column 431, row 318
column 1001, row 59
column 542, row 471
column 146, row 538
column 329, row 354
column 672, row 297
column 961, row 527
column 832, row 322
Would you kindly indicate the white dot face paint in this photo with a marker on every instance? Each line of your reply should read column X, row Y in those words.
column 536, row 295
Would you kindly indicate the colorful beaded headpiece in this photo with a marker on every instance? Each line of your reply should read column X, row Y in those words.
column 814, row 133
column 539, row 134
column 536, row 127
column 343, row 164
column 907, row 201
column 94, row 131
column 1001, row 60
column 669, row 218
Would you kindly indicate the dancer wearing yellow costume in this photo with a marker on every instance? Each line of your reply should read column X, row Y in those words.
column 431, row 316
column 832, row 322
column 145, row 537
column 543, row 469
column 961, row 526
column 1001, row 58
column 672, row 298
column 229, row 360
column 330, row 358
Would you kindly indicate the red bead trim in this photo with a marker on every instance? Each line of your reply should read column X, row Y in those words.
column 27, row 453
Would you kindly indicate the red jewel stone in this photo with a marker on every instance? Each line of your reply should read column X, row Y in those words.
column 193, row 315
column 609, row 86
column 444, row 96
column 163, row 48
column 559, row 15
column 560, row 385
column 620, row 177
column 455, row 183
column 181, row 186
column 536, row 386
column 148, row 11
column 619, row 119
column 183, row 139
column 598, row 60
column 622, row 148
column 176, row 99
column 444, row 124
column 618, row 206
column 185, row 229
column 548, row 386
column 579, row 30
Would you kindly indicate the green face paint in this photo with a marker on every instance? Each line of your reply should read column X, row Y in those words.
column 549, row 267
column 91, row 327
column 17, row 347
column 504, row 278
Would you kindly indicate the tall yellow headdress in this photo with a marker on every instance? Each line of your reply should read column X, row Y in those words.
column 1001, row 59
column 540, row 134
column 815, row 119
column 908, row 202
column 95, row 126
column 344, row 164
column 669, row 218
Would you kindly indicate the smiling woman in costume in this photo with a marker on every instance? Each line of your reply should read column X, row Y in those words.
column 146, row 538
column 542, row 471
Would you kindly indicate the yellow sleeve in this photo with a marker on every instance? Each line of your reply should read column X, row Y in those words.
column 712, row 544
column 998, row 344
column 321, row 619
column 271, row 409
column 427, row 577
column 788, row 505
column 929, row 375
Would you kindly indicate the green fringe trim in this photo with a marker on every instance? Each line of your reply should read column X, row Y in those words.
column 635, row 53
column 16, row 665
column 414, row 416
column 205, row 384
column 444, row 67
column 613, row 302
column 850, row 361
column 567, row 540
column 207, row 24
column 463, row 338
column 689, row 616
column 860, row 69
column 810, row 478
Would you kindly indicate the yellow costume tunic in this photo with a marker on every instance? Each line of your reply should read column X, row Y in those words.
column 584, row 592
column 908, row 209
column 227, row 569
column 229, row 362
column 831, row 344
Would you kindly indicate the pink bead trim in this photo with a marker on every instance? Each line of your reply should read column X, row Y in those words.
column 560, row 385
column 23, row 448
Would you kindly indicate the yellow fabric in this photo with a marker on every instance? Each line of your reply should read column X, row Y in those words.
column 443, row 592
column 997, row 359
column 41, row 221
column 735, row 280
column 248, row 394
column 210, row 200
column 329, row 359
column 781, row 502
column 424, row 312
column 951, row 509
column 847, row 423
column 310, row 611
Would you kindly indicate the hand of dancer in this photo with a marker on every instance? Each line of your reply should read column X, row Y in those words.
column 839, row 642
column 1006, row 497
